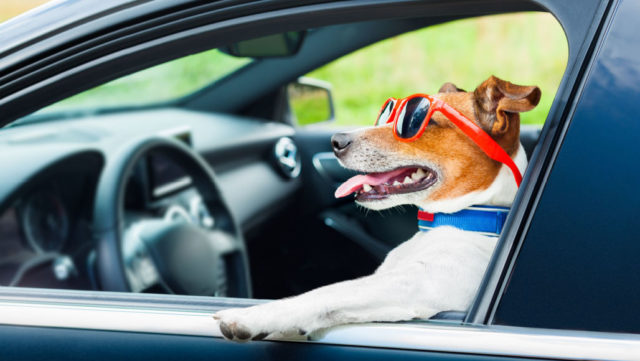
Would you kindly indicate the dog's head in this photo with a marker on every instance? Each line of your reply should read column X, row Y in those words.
column 443, row 170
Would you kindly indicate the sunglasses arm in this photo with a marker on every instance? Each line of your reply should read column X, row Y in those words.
column 481, row 138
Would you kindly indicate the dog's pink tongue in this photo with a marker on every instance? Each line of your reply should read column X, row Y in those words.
column 355, row 183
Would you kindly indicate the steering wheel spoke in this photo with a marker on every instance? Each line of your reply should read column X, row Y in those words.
column 223, row 242
column 140, row 270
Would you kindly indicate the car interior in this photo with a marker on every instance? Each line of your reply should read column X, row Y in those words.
column 220, row 192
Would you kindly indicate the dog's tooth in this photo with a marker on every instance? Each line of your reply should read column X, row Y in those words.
column 421, row 173
column 407, row 180
column 415, row 176
column 396, row 183
column 366, row 187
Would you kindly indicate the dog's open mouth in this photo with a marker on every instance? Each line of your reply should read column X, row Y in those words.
column 374, row 186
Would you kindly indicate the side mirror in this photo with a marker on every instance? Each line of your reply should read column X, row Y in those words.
column 310, row 101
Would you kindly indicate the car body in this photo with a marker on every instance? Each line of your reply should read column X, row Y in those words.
column 562, row 283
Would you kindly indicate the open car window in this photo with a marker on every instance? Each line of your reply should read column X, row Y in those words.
column 464, row 52
column 158, row 85
column 525, row 48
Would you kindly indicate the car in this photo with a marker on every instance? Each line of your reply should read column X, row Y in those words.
column 124, row 226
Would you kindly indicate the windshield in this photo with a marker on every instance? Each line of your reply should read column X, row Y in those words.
column 160, row 84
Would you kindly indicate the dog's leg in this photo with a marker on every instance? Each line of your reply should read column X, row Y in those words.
column 421, row 277
column 379, row 297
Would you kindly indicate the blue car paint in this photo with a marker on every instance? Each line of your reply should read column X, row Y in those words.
column 578, row 267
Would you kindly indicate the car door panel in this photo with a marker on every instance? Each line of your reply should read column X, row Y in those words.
column 120, row 326
column 40, row 343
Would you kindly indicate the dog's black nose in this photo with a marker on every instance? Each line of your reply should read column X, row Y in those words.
column 340, row 143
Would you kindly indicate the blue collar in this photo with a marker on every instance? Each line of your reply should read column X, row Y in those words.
column 487, row 220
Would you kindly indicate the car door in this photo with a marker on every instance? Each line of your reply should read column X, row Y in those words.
column 51, row 324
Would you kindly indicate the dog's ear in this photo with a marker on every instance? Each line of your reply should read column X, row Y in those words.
column 497, row 102
column 449, row 88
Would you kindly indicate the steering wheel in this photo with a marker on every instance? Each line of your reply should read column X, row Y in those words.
column 166, row 253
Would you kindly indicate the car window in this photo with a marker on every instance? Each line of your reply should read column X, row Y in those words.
column 158, row 84
column 526, row 48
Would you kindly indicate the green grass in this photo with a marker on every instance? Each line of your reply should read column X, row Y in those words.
column 526, row 49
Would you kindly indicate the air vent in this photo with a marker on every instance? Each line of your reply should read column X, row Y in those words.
column 287, row 157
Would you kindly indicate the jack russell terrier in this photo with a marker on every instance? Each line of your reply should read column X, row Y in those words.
column 456, row 155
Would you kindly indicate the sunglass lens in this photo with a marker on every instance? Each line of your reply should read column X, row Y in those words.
column 386, row 112
column 412, row 117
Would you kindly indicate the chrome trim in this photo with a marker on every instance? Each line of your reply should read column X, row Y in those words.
column 172, row 187
column 424, row 336
column 286, row 154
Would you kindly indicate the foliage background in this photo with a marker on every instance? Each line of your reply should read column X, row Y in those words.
column 524, row 48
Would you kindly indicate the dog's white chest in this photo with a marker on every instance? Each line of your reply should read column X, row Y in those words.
column 446, row 259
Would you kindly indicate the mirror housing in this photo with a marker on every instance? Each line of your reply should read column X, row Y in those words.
column 310, row 101
column 270, row 46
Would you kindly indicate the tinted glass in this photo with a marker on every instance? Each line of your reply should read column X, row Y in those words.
column 161, row 83
column 386, row 112
column 412, row 116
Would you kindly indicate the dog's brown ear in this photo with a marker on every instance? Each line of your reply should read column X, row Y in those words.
column 449, row 88
column 497, row 102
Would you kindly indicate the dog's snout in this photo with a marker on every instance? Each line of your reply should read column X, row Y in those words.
column 340, row 143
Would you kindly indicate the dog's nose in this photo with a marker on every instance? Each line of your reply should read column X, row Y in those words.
column 340, row 143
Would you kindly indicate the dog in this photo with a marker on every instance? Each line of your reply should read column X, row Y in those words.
column 444, row 171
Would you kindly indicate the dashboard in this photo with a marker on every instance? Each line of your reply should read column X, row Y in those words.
column 47, row 204
column 46, row 227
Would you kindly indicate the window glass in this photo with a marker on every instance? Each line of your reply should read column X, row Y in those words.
column 160, row 83
column 524, row 48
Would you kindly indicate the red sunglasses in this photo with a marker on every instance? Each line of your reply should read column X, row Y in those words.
column 410, row 117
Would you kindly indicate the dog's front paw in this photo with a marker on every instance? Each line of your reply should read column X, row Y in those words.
column 236, row 325
column 257, row 322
